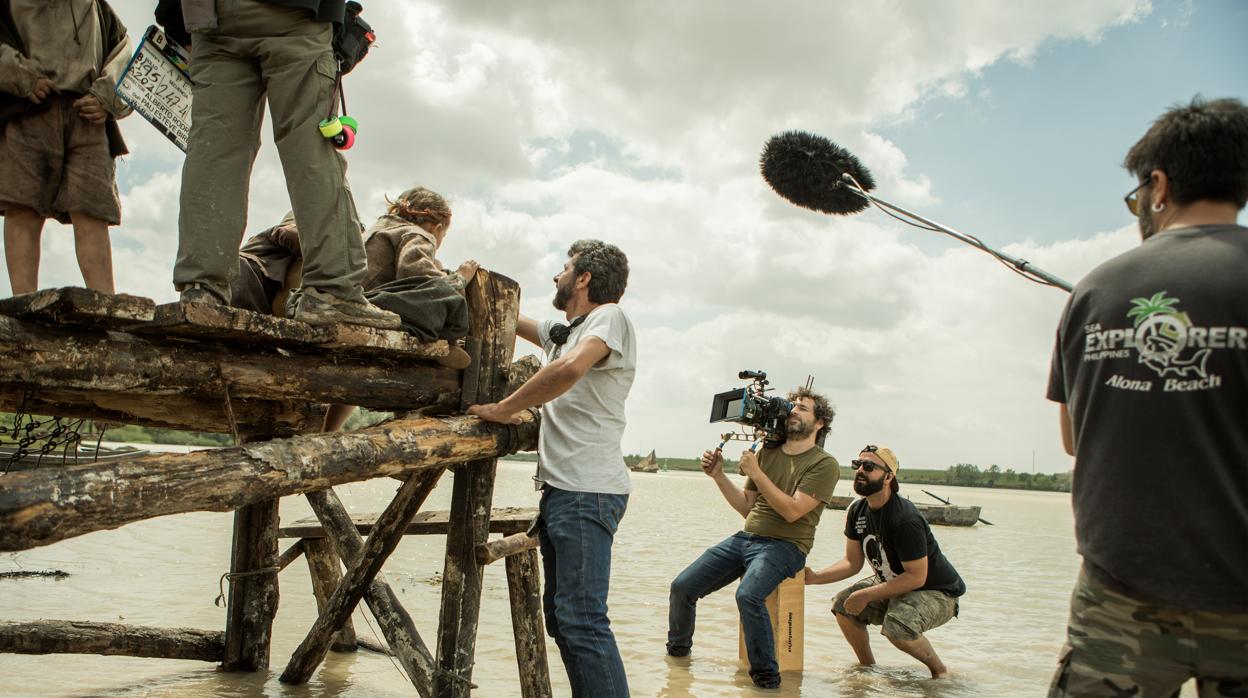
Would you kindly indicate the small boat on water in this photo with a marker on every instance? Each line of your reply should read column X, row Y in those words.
column 649, row 464
column 83, row 455
column 937, row 514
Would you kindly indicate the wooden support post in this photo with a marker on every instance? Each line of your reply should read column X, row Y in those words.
column 493, row 311
column 461, row 577
column 386, row 536
column 80, row 637
column 326, row 574
column 393, row 620
column 253, row 588
column 524, row 586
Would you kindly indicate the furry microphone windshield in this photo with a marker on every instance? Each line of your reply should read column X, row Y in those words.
column 806, row 169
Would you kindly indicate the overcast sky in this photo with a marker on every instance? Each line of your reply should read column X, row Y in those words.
column 641, row 123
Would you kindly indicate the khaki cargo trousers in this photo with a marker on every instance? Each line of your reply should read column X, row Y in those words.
column 258, row 52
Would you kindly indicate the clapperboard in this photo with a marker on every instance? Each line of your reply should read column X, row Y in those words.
column 157, row 84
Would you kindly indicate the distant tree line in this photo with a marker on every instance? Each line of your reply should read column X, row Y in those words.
column 961, row 475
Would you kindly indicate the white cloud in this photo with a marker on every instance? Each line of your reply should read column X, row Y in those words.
column 943, row 355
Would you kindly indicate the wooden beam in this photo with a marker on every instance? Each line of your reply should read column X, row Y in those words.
column 218, row 322
column 79, row 637
column 38, row 507
column 524, row 587
column 81, row 306
column 493, row 311
column 495, row 550
column 393, row 620
column 505, row 520
column 252, row 601
column 68, row 359
column 183, row 412
column 290, row 554
column 385, row 538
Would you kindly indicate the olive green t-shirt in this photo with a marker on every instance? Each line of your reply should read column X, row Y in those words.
column 813, row 472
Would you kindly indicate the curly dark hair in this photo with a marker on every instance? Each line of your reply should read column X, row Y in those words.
column 1203, row 149
column 607, row 266
column 823, row 409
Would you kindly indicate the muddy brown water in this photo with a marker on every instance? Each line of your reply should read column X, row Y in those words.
column 164, row 572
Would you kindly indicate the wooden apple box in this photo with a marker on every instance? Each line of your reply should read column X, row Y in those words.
column 787, row 608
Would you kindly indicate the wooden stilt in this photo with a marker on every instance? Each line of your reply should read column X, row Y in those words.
column 79, row 637
column 524, row 586
column 253, row 588
column 326, row 574
column 386, row 536
column 493, row 306
column 461, row 577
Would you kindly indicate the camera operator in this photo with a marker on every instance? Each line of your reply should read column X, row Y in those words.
column 787, row 490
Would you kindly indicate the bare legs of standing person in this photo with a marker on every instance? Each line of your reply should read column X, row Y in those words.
column 23, row 232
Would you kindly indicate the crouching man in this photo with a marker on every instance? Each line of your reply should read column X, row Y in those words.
column 914, row 588
column 787, row 489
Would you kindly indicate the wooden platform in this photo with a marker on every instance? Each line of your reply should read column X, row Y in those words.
column 206, row 368
column 507, row 521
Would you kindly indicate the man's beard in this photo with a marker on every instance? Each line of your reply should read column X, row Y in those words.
column 563, row 294
column 866, row 487
column 801, row 431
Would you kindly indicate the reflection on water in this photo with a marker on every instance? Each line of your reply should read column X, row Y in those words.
column 164, row 573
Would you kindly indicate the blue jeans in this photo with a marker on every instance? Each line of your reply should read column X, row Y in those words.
column 576, row 535
column 761, row 563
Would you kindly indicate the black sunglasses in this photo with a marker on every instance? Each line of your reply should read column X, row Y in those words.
column 1133, row 197
column 869, row 466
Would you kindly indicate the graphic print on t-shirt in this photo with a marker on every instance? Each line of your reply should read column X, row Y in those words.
column 1167, row 342
column 873, row 549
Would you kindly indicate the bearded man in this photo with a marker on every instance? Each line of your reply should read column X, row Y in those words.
column 787, row 489
column 588, row 370
column 914, row 588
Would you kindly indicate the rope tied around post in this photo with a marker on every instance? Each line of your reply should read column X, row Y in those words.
column 220, row 600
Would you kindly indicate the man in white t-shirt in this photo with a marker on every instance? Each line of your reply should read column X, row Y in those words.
column 589, row 368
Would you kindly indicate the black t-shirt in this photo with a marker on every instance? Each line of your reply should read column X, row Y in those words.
column 1152, row 362
column 897, row 533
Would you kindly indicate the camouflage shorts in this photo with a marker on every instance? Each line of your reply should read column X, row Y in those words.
column 1117, row 646
column 904, row 617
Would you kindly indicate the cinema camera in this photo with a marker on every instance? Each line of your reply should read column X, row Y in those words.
column 752, row 408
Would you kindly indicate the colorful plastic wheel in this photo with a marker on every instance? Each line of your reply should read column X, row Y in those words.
column 331, row 127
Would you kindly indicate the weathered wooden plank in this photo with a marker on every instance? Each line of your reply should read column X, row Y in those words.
column 386, row 536
column 326, row 574
column 505, row 520
column 393, row 620
column 81, row 306
column 207, row 414
column 370, row 341
column 493, row 311
column 39, row 507
column 66, row 359
column 80, row 637
column 253, row 594
column 495, row 550
column 524, row 587
column 205, row 321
